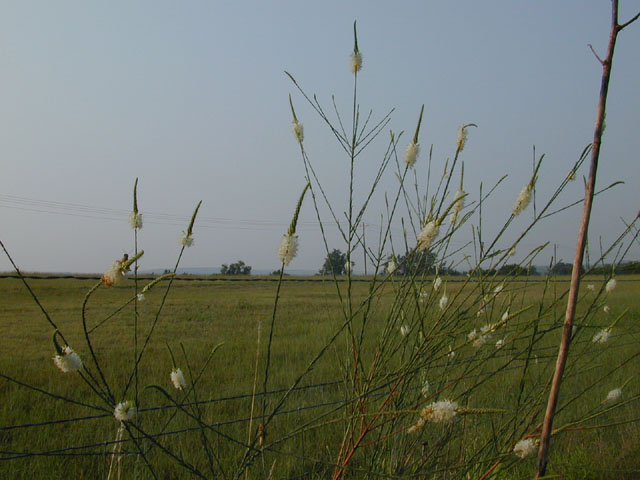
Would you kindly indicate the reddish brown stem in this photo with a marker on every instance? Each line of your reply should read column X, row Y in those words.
column 563, row 352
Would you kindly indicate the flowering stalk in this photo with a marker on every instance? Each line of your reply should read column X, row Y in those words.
column 296, row 126
column 356, row 56
column 413, row 149
column 135, row 219
column 186, row 238
column 289, row 244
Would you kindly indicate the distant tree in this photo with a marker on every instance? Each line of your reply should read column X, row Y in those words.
column 334, row 263
column 620, row 269
column 515, row 269
column 417, row 263
column 238, row 268
column 564, row 269
column 277, row 272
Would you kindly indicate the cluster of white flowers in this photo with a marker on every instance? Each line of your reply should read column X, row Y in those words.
column 444, row 301
column 458, row 201
column 614, row 395
column 392, row 266
column 499, row 343
column 525, row 447
column 462, row 138
column 185, row 239
column 135, row 220
column 411, row 154
column 288, row 248
column 606, row 309
column 404, row 330
column 524, row 197
column 298, row 131
column 114, row 274
column 440, row 412
column 124, row 411
column 141, row 297
column 505, row 316
column 591, row 287
column 347, row 267
column 498, row 288
column 611, row 285
column 428, row 235
column 437, row 283
column 481, row 337
column 69, row 361
column 356, row 62
column 177, row 378
column 602, row 336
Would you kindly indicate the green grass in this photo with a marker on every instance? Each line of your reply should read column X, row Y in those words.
column 200, row 315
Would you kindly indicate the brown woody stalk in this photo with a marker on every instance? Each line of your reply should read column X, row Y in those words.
column 563, row 352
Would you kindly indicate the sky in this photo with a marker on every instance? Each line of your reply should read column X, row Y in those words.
column 191, row 98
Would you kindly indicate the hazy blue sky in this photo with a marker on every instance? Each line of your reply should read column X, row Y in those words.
column 191, row 97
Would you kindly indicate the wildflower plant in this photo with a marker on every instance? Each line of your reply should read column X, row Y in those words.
column 409, row 320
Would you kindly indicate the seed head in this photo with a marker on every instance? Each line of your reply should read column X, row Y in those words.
column 69, row 361
column 525, row 447
column 177, row 378
column 462, row 138
column 458, row 201
column 524, row 197
column 437, row 283
column 444, row 301
column 288, row 248
column 440, row 412
column 602, row 336
column 611, row 285
column 298, row 131
column 114, row 274
column 392, row 266
column 185, row 239
column 411, row 154
column 356, row 62
column 614, row 395
column 428, row 235
column 124, row 411
column 135, row 220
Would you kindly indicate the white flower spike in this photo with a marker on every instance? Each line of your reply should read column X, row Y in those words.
column 602, row 336
column 525, row 448
column 428, row 235
column 411, row 154
column 614, row 395
column 185, row 239
column 288, row 248
column 444, row 301
column 440, row 412
column 124, row 411
column 177, row 378
column 135, row 220
column 611, row 285
column 69, row 361
column 524, row 197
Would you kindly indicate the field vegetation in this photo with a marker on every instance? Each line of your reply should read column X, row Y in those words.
column 201, row 314
column 410, row 372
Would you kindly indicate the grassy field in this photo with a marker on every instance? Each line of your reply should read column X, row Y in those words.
column 45, row 435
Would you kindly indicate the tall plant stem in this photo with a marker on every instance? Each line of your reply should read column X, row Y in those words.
column 563, row 352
